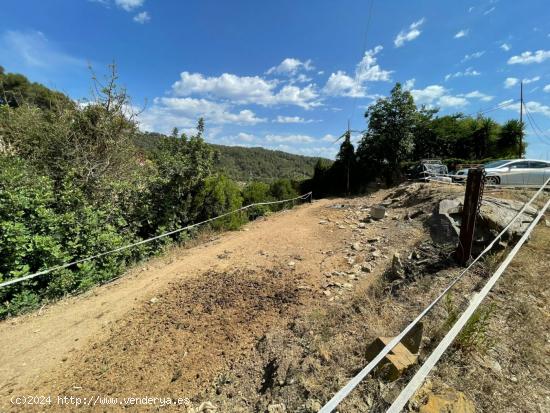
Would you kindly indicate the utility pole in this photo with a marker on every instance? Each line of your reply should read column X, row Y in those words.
column 520, row 155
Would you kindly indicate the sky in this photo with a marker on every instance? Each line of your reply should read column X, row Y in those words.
column 287, row 74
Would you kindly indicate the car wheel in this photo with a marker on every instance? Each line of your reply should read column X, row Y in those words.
column 492, row 180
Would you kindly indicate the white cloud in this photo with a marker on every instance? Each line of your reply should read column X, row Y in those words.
column 437, row 95
column 33, row 49
column 532, row 107
column 290, row 66
column 505, row 46
column 547, row 88
column 168, row 112
column 531, row 80
column 328, row 138
column 486, row 12
column 246, row 137
column 476, row 94
column 530, row 57
column 471, row 56
column 428, row 95
column 461, row 33
column 129, row 5
column 471, row 9
column 409, row 84
column 292, row 119
column 410, row 34
column 289, row 138
column 510, row 82
column 246, row 89
column 142, row 17
column 367, row 70
column 340, row 84
column 452, row 101
column 470, row 71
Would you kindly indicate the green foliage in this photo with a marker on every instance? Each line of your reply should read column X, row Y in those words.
column 217, row 196
column 16, row 90
column 38, row 231
column 508, row 139
column 282, row 189
column 389, row 138
column 253, row 193
column 400, row 134
column 474, row 335
column 80, row 180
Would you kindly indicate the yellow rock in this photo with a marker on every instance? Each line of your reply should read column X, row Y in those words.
column 441, row 399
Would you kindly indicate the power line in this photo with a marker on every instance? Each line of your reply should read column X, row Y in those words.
column 534, row 124
column 362, row 54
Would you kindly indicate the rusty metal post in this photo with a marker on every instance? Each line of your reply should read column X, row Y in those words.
column 472, row 202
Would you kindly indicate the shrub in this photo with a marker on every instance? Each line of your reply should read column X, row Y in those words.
column 253, row 193
column 219, row 195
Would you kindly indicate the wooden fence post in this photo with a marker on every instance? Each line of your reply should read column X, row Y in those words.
column 472, row 202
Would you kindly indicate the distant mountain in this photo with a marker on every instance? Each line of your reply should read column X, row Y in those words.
column 246, row 164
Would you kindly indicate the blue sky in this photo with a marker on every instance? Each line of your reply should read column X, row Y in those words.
column 287, row 74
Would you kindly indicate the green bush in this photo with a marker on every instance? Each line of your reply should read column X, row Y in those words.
column 282, row 189
column 219, row 195
column 253, row 193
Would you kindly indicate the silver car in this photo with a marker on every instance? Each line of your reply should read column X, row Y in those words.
column 517, row 172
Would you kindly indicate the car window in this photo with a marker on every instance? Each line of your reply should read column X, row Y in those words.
column 496, row 164
column 538, row 164
column 517, row 165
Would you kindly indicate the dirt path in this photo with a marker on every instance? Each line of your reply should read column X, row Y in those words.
column 34, row 344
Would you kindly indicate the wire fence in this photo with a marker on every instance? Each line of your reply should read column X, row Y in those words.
column 145, row 241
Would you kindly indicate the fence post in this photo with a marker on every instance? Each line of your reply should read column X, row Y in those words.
column 472, row 202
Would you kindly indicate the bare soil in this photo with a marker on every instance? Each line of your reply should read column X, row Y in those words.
column 275, row 317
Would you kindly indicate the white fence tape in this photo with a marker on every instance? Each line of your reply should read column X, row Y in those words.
column 425, row 369
column 344, row 391
column 125, row 247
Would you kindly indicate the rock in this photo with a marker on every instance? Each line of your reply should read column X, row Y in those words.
column 432, row 398
column 396, row 362
column 366, row 267
column 347, row 286
column 397, row 270
column 363, row 225
column 373, row 240
column 291, row 263
column 327, row 293
column 313, row 406
column 378, row 212
column 153, row 300
column 323, row 222
column 356, row 246
column 206, row 407
column 351, row 260
column 276, row 408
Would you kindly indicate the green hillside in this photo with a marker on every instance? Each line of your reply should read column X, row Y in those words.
column 246, row 164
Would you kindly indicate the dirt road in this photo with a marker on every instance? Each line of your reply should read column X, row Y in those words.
column 35, row 344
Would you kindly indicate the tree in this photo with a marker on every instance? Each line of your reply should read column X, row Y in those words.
column 390, row 135
column 344, row 166
column 508, row 139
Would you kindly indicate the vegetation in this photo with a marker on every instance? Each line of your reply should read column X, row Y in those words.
column 398, row 133
column 78, row 180
column 247, row 164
